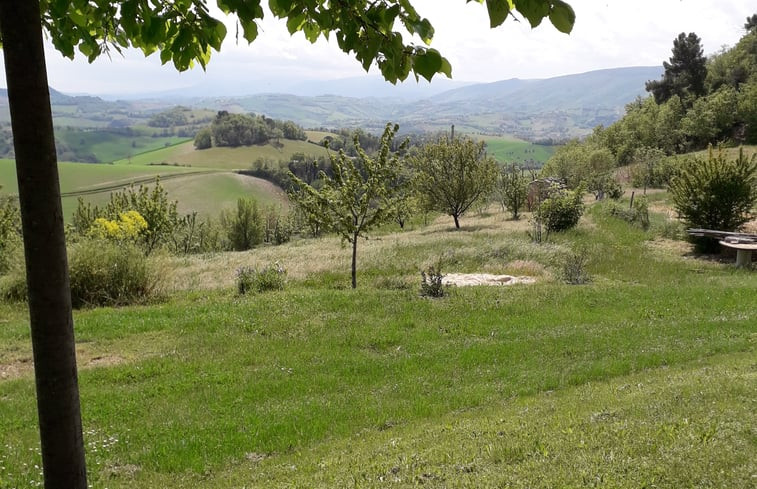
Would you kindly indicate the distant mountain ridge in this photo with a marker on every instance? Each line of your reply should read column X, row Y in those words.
column 552, row 108
column 556, row 108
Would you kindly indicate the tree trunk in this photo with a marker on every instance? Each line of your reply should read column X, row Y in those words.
column 457, row 221
column 354, row 260
column 44, row 247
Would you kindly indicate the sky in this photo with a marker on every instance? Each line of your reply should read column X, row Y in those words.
column 607, row 34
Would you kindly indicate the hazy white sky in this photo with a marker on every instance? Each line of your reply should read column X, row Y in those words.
column 607, row 34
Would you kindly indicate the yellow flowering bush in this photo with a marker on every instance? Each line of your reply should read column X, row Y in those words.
column 129, row 226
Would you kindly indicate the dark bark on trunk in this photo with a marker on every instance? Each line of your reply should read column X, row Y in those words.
column 44, row 247
column 457, row 221
column 354, row 261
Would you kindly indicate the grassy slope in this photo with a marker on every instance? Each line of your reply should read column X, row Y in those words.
column 202, row 192
column 506, row 149
column 645, row 376
column 225, row 158
column 108, row 147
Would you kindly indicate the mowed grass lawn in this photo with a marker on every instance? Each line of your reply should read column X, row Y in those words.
column 645, row 377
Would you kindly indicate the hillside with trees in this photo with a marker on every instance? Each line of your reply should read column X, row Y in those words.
column 699, row 101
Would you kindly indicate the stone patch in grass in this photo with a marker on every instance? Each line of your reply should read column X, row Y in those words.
column 16, row 368
column 467, row 279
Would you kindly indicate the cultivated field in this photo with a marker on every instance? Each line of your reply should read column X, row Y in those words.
column 644, row 377
column 196, row 189
column 508, row 149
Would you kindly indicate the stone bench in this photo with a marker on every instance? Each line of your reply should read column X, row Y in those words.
column 743, row 252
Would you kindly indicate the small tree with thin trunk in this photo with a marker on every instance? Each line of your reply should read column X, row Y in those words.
column 513, row 189
column 452, row 175
column 359, row 196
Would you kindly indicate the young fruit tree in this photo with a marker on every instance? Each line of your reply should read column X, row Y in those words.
column 183, row 32
column 362, row 194
column 512, row 189
column 452, row 175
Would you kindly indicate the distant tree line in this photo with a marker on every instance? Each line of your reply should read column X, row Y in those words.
column 176, row 116
column 245, row 130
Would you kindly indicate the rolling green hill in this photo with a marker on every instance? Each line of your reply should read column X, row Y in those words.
column 224, row 158
column 201, row 190
column 107, row 145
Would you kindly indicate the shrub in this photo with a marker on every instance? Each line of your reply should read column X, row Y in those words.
column 128, row 227
column 716, row 193
column 107, row 273
column 574, row 268
column 196, row 236
column 152, row 204
column 658, row 175
column 245, row 228
column 10, row 234
column 614, row 190
column 431, row 282
column 652, row 169
column 671, row 229
column 605, row 185
column 562, row 210
column 638, row 214
column 272, row 277
column 278, row 227
column 13, row 285
column 203, row 139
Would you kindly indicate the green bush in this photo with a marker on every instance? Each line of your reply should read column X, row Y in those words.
column 272, row 277
column 10, row 234
column 562, row 210
column 638, row 214
column 13, row 285
column 431, row 282
column 105, row 273
column 151, row 203
column 197, row 236
column 716, row 193
column 671, row 229
column 574, row 268
column 278, row 227
column 244, row 228
column 658, row 175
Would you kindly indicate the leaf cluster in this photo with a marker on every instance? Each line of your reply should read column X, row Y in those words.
column 184, row 31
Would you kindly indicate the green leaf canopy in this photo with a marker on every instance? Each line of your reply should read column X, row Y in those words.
column 185, row 31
